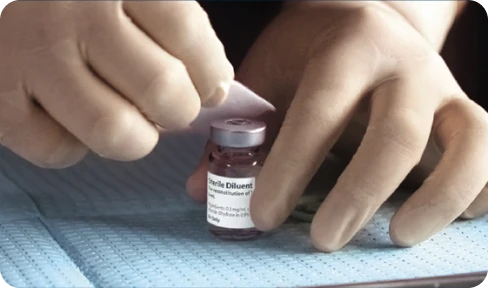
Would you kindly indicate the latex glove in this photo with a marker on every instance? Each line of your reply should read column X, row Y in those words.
column 332, row 65
column 104, row 74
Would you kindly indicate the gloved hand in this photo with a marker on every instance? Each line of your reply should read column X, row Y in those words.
column 103, row 75
column 327, row 65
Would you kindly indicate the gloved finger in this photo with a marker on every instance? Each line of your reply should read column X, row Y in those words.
column 33, row 135
column 324, row 103
column 149, row 77
column 462, row 129
column 479, row 207
column 398, row 131
column 196, row 185
column 92, row 111
column 183, row 29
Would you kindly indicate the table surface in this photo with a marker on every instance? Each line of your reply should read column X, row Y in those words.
column 103, row 223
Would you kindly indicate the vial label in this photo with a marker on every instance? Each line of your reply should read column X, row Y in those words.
column 228, row 201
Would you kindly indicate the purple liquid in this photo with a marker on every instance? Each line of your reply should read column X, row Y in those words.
column 235, row 163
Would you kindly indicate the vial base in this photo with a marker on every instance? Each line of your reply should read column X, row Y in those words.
column 234, row 234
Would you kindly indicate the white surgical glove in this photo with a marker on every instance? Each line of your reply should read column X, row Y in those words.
column 102, row 75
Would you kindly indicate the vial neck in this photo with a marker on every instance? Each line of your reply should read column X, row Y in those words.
column 223, row 149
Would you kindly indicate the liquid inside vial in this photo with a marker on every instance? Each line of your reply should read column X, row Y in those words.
column 231, row 181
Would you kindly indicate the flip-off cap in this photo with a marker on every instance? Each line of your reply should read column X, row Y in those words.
column 238, row 132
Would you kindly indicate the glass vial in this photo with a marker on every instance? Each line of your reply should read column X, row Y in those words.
column 232, row 171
